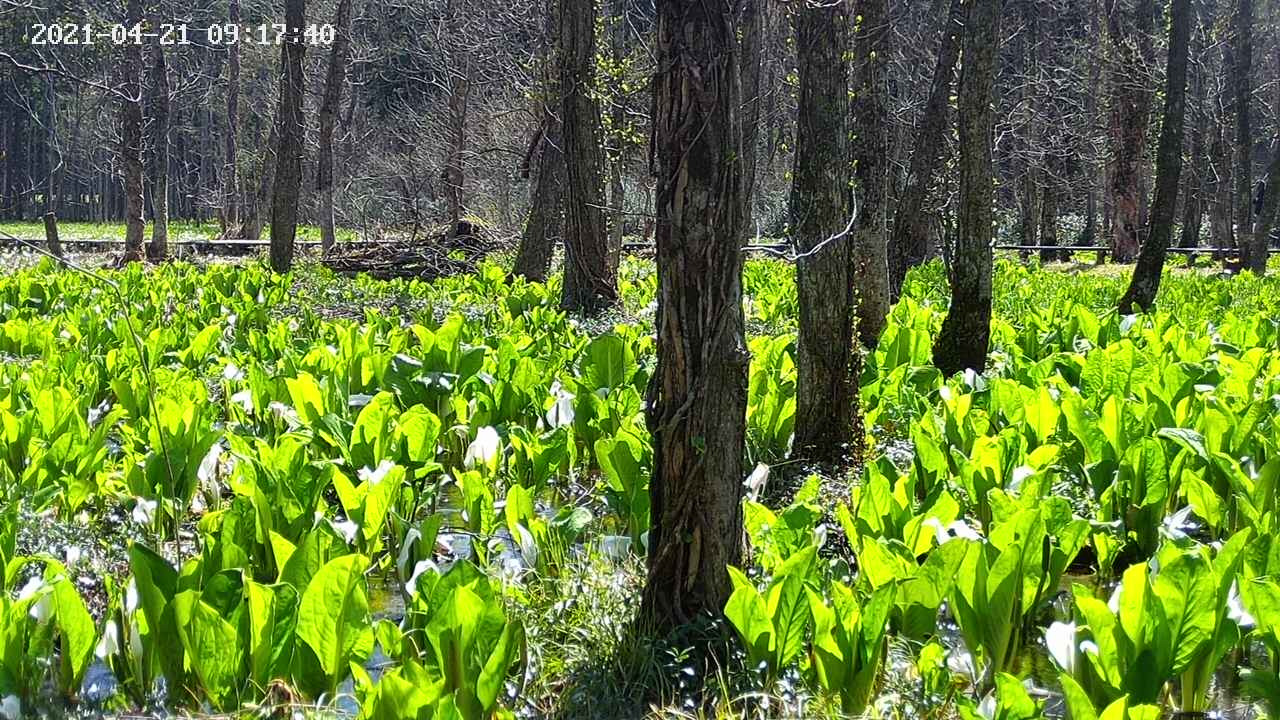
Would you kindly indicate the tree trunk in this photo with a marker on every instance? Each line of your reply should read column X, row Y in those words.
column 1049, row 213
column 288, row 180
column 697, row 397
column 618, row 121
column 131, row 139
column 231, row 181
column 454, row 175
column 159, row 247
column 588, row 286
column 333, row 82
column 1194, row 183
column 966, row 331
column 1269, row 213
column 545, row 226
column 827, row 423
column 266, row 180
column 871, row 168
column 51, row 236
column 1129, row 32
column 1146, row 275
column 1253, row 256
column 910, row 244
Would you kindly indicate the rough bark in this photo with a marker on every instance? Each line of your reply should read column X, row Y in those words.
column 288, row 179
column 589, row 285
column 454, row 175
column 697, row 397
column 545, row 226
column 827, row 360
column 618, row 120
column 131, row 139
column 1253, row 256
column 871, row 168
column 51, row 240
column 231, row 177
column 266, row 181
column 1219, row 186
column 158, row 249
column 966, row 332
column 334, row 79
column 1269, row 214
column 1129, row 31
column 1194, row 181
column 1049, row 214
column 910, row 243
column 1146, row 275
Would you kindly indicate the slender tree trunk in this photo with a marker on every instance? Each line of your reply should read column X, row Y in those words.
column 1129, row 32
column 545, row 225
column 871, row 168
column 827, row 423
column 231, row 180
column 159, row 247
column 288, row 180
column 618, row 120
column 1252, row 255
column 454, row 175
column 1146, row 275
column 910, row 244
column 52, row 242
column 966, row 331
column 589, row 285
column 333, row 82
column 1221, row 166
column 1194, row 184
column 266, row 180
column 131, row 139
column 697, row 397
column 752, row 37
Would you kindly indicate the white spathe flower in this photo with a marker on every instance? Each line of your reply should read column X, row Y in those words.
column 1060, row 640
column 347, row 529
column 11, row 708
column 1113, row 604
column 484, row 449
column 209, row 464
column 244, row 399
column 615, row 547
column 955, row 530
column 33, row 586
column 144, row 511
column 1236, row 611
column 131, row 597
column 423, row 566
column 1176, row 525
column 135, row 639
column 110, row 643
column 42, row 609
column 411, row 538
column 987, row 708
column 561, row 413
column 232, row 373
column 378, row 474
column 1020, row 474
column 73, row 555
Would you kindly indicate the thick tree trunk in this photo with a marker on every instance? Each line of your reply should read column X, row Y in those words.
column 288, row 180
column 827, row 360
column 333, row 81
column 1269, row 214
column 545, row 225
column 1129, row 31
column 871, row 168
column 231, row 178
column 589, row 285
column 1049, row 214
column 1146, row 275
column 966, row 331
column 1253, row 256
column 131, row 139
column 159, row 247
column 697, row 397
column 910, row 243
